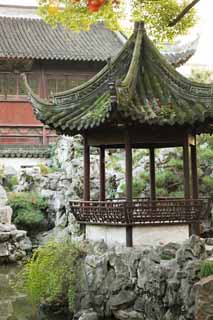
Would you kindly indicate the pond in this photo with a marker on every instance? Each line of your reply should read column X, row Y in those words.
column 13, row 304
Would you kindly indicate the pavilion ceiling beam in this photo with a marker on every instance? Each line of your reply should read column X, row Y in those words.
column 183, row 13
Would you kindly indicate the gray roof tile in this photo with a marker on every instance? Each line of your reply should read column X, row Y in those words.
column 33, row 38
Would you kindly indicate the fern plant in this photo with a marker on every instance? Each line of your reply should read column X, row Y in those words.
column 50, row 275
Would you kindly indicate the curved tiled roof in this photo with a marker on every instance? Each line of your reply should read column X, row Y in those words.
column 33, row 38
column 177, row 54
column 146, row 90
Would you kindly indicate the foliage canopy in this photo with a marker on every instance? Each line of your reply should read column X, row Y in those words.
column 157, row 15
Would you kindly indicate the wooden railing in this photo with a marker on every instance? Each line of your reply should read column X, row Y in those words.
column 141, row 211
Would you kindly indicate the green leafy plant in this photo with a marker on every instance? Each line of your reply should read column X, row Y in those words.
column 10, row 183
column 51, row 274
column 206, row 268
column 28, row 209
column 29, row 219
column 45, row 169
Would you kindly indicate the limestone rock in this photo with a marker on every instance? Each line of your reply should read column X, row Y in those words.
column 86, row 315
column 204, row 299
column 128, row 315
column 122, row 300
column 3, row 196
column 25, row 244
column 4, row 252
column 169, row 251
column 209, row 241
column 4, row 236
column 137, row 284
column 7, row 227
column 10, row 171
column 194, row 248
column 14, row 244
column 5, row 214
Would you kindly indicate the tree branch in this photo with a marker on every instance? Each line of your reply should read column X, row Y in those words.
column 183, row 13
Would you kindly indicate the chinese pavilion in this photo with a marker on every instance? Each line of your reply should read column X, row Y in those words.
column 137, row 101
column 54, row 60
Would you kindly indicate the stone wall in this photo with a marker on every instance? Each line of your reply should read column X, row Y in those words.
column 142, row 283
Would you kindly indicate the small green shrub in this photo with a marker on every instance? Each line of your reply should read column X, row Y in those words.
column 29, row 219
column 206, row 268
column 45, row 169
column 51, row 274
column 10, row 183
column 28, row 210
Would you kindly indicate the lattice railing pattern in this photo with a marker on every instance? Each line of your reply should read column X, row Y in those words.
column 141, row 211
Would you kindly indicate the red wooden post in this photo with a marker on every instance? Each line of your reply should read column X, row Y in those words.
column 128, row 154
column 102, row 174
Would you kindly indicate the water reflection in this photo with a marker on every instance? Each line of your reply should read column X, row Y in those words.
column 13, row 304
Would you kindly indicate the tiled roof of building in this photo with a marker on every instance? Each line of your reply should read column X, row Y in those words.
column 146, row 90
column 33, row 38
column 24, row 151
column 22, row 37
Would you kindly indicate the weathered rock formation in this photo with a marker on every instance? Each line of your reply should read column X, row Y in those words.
column 142, row 283
column 14, row 244
column 204, row 299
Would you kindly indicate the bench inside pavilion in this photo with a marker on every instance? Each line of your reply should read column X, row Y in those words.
column 138, row 100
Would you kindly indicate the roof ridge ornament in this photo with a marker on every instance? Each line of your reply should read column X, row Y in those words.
column 126, row 88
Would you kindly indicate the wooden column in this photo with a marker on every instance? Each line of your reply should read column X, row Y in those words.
column 152, row 173
column 128, row 157
column 86, row 170
column 43, row 94
column 195, row 227
column 186, row 168
column 102, row 173
column 194, row 171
